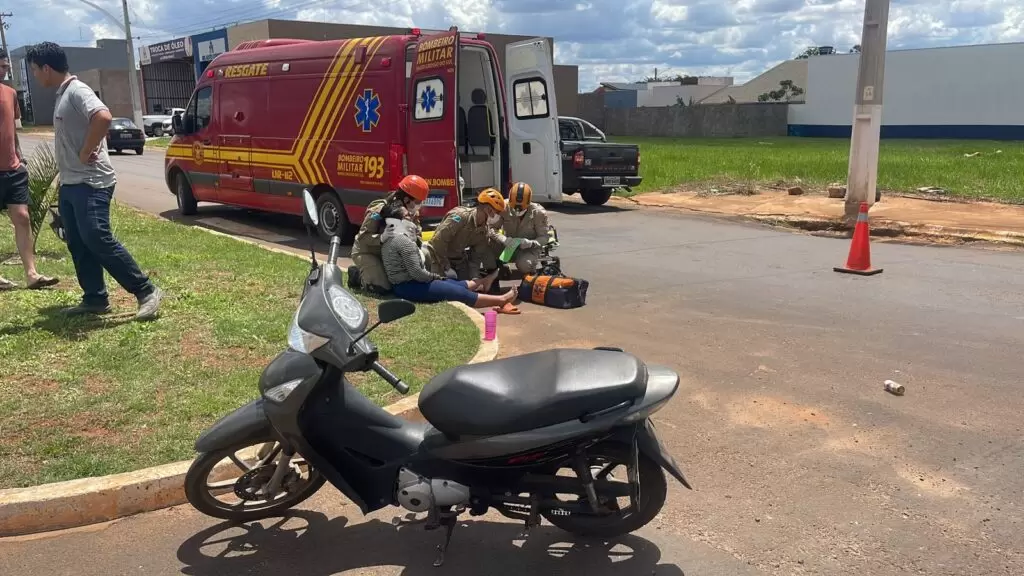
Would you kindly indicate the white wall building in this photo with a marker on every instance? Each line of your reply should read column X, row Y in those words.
column 955, row 92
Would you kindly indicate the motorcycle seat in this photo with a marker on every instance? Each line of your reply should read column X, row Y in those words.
column 530, row 391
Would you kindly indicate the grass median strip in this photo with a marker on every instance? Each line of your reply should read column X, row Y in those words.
column 89, row 397
column 161, row 142
column 964, row 168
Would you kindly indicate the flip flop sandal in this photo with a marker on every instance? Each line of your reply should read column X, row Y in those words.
column 43, row 282
column 508, row 308
column 6, row 285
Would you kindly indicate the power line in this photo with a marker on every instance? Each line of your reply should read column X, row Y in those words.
column 242, row 17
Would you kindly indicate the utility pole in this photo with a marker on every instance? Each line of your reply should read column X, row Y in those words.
column 3, row 35
column 133, row 75
column 862, row 178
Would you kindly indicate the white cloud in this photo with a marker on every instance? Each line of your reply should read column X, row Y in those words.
column 611, row 40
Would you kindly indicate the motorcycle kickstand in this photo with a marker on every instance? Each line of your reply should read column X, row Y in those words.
column 533, row 519
column 449, row 523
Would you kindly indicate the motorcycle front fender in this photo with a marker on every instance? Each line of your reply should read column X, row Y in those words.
column 246, row 424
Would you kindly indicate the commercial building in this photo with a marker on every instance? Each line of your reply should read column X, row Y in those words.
column 104, row 67
column 167, row 83
column 954, row 92
column 168, row 75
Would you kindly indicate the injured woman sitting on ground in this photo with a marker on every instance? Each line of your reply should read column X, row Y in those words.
column 404, row 264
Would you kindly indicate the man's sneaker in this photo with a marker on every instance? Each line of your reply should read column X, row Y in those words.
column 149, row 306
column 87, row 310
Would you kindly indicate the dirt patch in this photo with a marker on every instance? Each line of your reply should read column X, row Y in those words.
column 768, row 412
column 895, row 216
column 199, row 345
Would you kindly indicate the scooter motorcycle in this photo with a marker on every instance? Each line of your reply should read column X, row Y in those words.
column 562, row 434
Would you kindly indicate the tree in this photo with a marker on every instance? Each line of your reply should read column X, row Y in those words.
column 42, row 174
column 682, row 79
column 855, row 49
column 812, row 51
column 786, row 92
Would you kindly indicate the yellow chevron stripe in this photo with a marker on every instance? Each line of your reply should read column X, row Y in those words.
column 342, row 105
column 329, row 124
column 342, row 61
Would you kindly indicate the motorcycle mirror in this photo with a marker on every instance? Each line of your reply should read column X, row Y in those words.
column 310, row 205
column 387, row 311
column 391, row 310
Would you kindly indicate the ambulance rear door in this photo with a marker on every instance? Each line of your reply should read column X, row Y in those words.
column 432, row 129
column 533, row 118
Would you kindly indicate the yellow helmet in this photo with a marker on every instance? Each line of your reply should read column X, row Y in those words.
column 492, row 198
column 520, row 195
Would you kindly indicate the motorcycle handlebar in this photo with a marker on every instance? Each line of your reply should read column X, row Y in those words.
column 390, row 378
column 332, row 256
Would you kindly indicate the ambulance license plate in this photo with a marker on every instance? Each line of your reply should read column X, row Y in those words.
column 612, row 180
column 435, row 201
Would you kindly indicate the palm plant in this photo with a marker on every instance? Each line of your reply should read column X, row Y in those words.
column 42, row 177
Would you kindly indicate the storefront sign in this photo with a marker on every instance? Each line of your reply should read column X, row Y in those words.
column 208, row 46
column 177, row 49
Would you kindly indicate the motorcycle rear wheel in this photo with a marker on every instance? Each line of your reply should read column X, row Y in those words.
column 653, row 490
column 297, row 487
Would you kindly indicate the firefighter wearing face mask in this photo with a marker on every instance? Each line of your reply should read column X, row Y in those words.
column 411, row 192
column 529, row 223
column 473, row 228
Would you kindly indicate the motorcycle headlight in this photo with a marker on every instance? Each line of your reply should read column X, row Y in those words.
column 302, row 341
column 347, row 308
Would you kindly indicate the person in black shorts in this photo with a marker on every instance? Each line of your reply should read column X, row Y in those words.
column 14, row 194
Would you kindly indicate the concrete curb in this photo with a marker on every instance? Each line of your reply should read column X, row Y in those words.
column 86, row 501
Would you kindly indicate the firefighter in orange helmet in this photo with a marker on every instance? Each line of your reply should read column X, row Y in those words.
column 467, row 238
column 368, row 272
column 529, row 223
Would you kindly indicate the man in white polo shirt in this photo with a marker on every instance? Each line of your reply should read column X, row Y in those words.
column 80, row 122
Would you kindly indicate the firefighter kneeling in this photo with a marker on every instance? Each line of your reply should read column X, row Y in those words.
column 368, row 272
column 527, row 222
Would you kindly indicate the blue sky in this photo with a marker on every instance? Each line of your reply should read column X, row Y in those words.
column 611, row 40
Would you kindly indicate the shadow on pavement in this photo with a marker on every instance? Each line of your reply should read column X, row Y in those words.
column 281, row 229
column 307, row 543
column 581, row 209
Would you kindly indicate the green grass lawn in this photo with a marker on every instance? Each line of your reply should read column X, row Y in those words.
column 904, row 165
column 92, row 397
column 161, row 142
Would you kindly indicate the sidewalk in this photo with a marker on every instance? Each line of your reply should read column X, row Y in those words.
column 932, row 220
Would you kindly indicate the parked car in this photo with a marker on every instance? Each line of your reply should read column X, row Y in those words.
column 160, row 124
column 125, row 135
column 593, row 166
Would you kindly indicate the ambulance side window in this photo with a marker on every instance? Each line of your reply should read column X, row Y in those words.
column 429, row 99
column 204, row 107
column 531, row 98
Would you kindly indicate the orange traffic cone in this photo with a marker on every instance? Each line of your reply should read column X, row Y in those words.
column 859, row 260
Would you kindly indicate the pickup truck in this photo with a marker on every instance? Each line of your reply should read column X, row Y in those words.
column 593, row 166
column 160, row 124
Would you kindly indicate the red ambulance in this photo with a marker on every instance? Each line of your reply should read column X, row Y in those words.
column 348, row 118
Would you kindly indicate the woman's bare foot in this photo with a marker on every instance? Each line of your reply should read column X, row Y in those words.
column 510, row 296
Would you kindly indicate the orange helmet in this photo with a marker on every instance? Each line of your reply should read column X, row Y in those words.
column 492, row 198
column 415, row 186
column 519, row 196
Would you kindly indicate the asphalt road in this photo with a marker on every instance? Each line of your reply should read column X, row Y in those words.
column 801, row 463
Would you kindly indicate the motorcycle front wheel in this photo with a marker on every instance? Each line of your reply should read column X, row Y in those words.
column 611, row 461
column 232, row 483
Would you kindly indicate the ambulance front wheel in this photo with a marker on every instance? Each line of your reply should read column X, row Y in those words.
column 333, row 220
column 187, row 204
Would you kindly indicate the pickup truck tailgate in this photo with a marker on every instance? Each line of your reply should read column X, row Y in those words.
column 610, row 158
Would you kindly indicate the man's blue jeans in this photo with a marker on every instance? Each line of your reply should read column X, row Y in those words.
column 86, row 214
